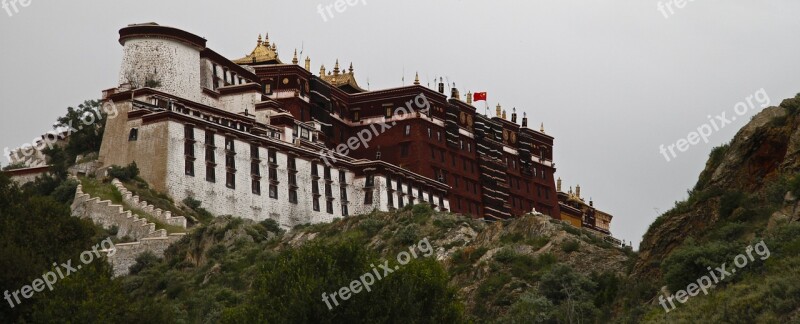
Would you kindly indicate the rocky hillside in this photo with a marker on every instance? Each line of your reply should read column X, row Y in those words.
column 489, row 266
column 745, row 194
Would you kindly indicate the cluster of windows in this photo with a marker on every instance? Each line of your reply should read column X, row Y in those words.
column 272, row 162
column 291, row 166
column 255, row 170
column 230, row 163
column 210, row 157
column 328, row 190
column 343, row 192
column 369, row 186
column 228, row 77
column 188, row 150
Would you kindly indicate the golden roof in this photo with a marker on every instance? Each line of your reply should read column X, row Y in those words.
column 341, row 79
column 263, row 53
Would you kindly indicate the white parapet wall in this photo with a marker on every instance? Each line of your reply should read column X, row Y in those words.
column 136, row 202
column 106, row 214
column 126, row 253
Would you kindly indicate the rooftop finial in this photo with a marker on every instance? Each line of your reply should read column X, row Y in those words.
column 266, row 41
column 308, row 63
column 351, row 68
column 336, row 68
column 294, row 59
column 542, row 128
column 498, row 109
column 259, row 39
column 416, row 79
column 504, row 114
column 469, row 97
column 322, row 70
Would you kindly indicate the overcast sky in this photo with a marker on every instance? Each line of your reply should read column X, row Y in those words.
column 611, row 80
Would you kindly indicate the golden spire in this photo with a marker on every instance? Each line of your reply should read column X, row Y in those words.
column 294, row 59
column 336, row 68
column 541, row 129
column 308, row 63
column 416, row 79
column 469, row 97
column 498, row 109
column 262, row 53
column 351, row 68
column 504, row 114
column 322, row 70
column 558, row 185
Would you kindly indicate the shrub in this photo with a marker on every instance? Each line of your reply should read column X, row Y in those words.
column 421, row 212
column 216, row 252
column 124, row 173
column 529, row 308
column 570, row 246
column 143, row 261
column 271, row 225
column 505, row 255
column 192, row 203
column 407, row 235
column 690, row 261
column 65, row 192
column 371, row 226
column 729, row 202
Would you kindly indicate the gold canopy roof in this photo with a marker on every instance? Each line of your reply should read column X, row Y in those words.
column 341, row 79
column 263, row 53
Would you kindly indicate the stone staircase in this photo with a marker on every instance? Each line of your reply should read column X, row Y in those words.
column 147, row 238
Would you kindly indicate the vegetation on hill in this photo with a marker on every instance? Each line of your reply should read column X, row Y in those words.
column 528, row 270
column 740, row 199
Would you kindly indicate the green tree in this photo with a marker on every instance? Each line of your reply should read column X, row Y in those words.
column 290, row 289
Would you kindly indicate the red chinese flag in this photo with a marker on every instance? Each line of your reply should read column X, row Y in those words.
column 478, row 96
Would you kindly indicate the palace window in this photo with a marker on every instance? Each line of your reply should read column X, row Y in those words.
column 256, row 185
column 356, row 116
column 188, row 148
column 368, row 196
column 388, row 112
column 390, row 196
column 254, row 152
column 408, row 130
column 293, row 196
column 400, row 194
column 210, row 173
column 329, row 206
column 230, row 180
column 272, row 156
column 429, row 132
column 189, row 167
column 404, row 149
column 133, row 135
column 273, row 191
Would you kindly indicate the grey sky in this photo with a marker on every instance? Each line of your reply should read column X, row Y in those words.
column 611, row 80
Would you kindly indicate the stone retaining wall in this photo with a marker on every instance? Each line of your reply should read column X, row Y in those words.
column 136, row 202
